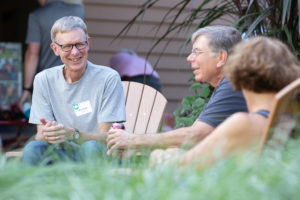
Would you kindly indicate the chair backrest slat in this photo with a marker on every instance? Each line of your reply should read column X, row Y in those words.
column 134, row 96
column 158, row 111
column 284, row 108
column 125, row 89
column 145, row 108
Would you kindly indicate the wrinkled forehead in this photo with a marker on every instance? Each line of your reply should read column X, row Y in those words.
column 71, row 37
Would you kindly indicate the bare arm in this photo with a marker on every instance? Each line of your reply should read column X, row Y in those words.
column 236, row 134
column 39, row 135
column 30, row 67
column 100, row 136
column 188, row 136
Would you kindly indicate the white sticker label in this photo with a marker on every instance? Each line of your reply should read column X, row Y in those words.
column 82, row 108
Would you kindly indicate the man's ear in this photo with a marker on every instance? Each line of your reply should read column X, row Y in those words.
column 54, row 48
column 222, row 58
column 88, row 42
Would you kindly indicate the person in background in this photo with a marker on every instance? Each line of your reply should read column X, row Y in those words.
column 38, row 55
column 73, row 104
column 259, row 67
column 132, row 67
column 211, row 47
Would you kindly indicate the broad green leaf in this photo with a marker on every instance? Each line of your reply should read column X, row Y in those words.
column 198, row 103
column 186, row 104
column 186, row 121
column 195, row 86
column 205, row 92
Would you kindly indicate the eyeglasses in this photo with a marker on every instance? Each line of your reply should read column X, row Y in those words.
column 196, row 52
column 69, row 47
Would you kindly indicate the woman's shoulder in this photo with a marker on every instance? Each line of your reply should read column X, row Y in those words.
column 242, row 122
column 240, row 117
column 237, row 122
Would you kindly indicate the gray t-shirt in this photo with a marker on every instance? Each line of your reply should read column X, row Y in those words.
column 223, row 102
column 97, row 97
column 40, row 23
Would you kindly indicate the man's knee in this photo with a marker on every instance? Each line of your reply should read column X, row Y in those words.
column 92, row 148
column 33, row 152
column 35, row 146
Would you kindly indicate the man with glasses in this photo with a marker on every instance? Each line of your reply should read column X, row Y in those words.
column 38, row 55
column 73, row 104
column 211, row 46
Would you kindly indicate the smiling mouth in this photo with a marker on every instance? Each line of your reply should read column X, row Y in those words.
column 75, row 59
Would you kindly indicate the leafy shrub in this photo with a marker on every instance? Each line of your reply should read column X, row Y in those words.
column 191, row 106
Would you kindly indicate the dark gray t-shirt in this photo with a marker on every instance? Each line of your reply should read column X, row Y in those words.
column 224, row 102
column 40, row 23
column 97, row 97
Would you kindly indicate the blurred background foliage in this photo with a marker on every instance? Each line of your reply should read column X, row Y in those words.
column 272, row 18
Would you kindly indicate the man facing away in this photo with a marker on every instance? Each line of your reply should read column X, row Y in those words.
column 73, row 104
column 38, row 55
column 210, row 51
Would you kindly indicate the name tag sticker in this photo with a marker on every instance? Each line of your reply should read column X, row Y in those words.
column 82, row 108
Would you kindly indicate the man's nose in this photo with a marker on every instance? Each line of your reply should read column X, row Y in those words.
column 74, row 50
column 190, row 58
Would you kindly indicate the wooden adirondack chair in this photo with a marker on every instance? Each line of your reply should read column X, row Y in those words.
column 145, row 108
column 284, row 116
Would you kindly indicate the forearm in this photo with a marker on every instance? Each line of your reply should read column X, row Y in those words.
column 100, row 136
column 30, row 70
column 39, row 135
column 86, row 136
column 186, row 136
column 30, row 65
column 174, row 138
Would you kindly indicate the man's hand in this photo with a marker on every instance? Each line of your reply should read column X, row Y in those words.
column 55, row 132
column 119, row 140
column 26, row 96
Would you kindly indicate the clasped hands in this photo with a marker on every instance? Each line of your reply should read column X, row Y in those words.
column 54, row 132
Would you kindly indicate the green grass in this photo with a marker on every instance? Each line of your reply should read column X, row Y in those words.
column 275, row 175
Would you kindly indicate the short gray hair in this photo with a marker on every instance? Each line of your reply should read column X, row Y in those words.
column 67, row 24
column 222, row 38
